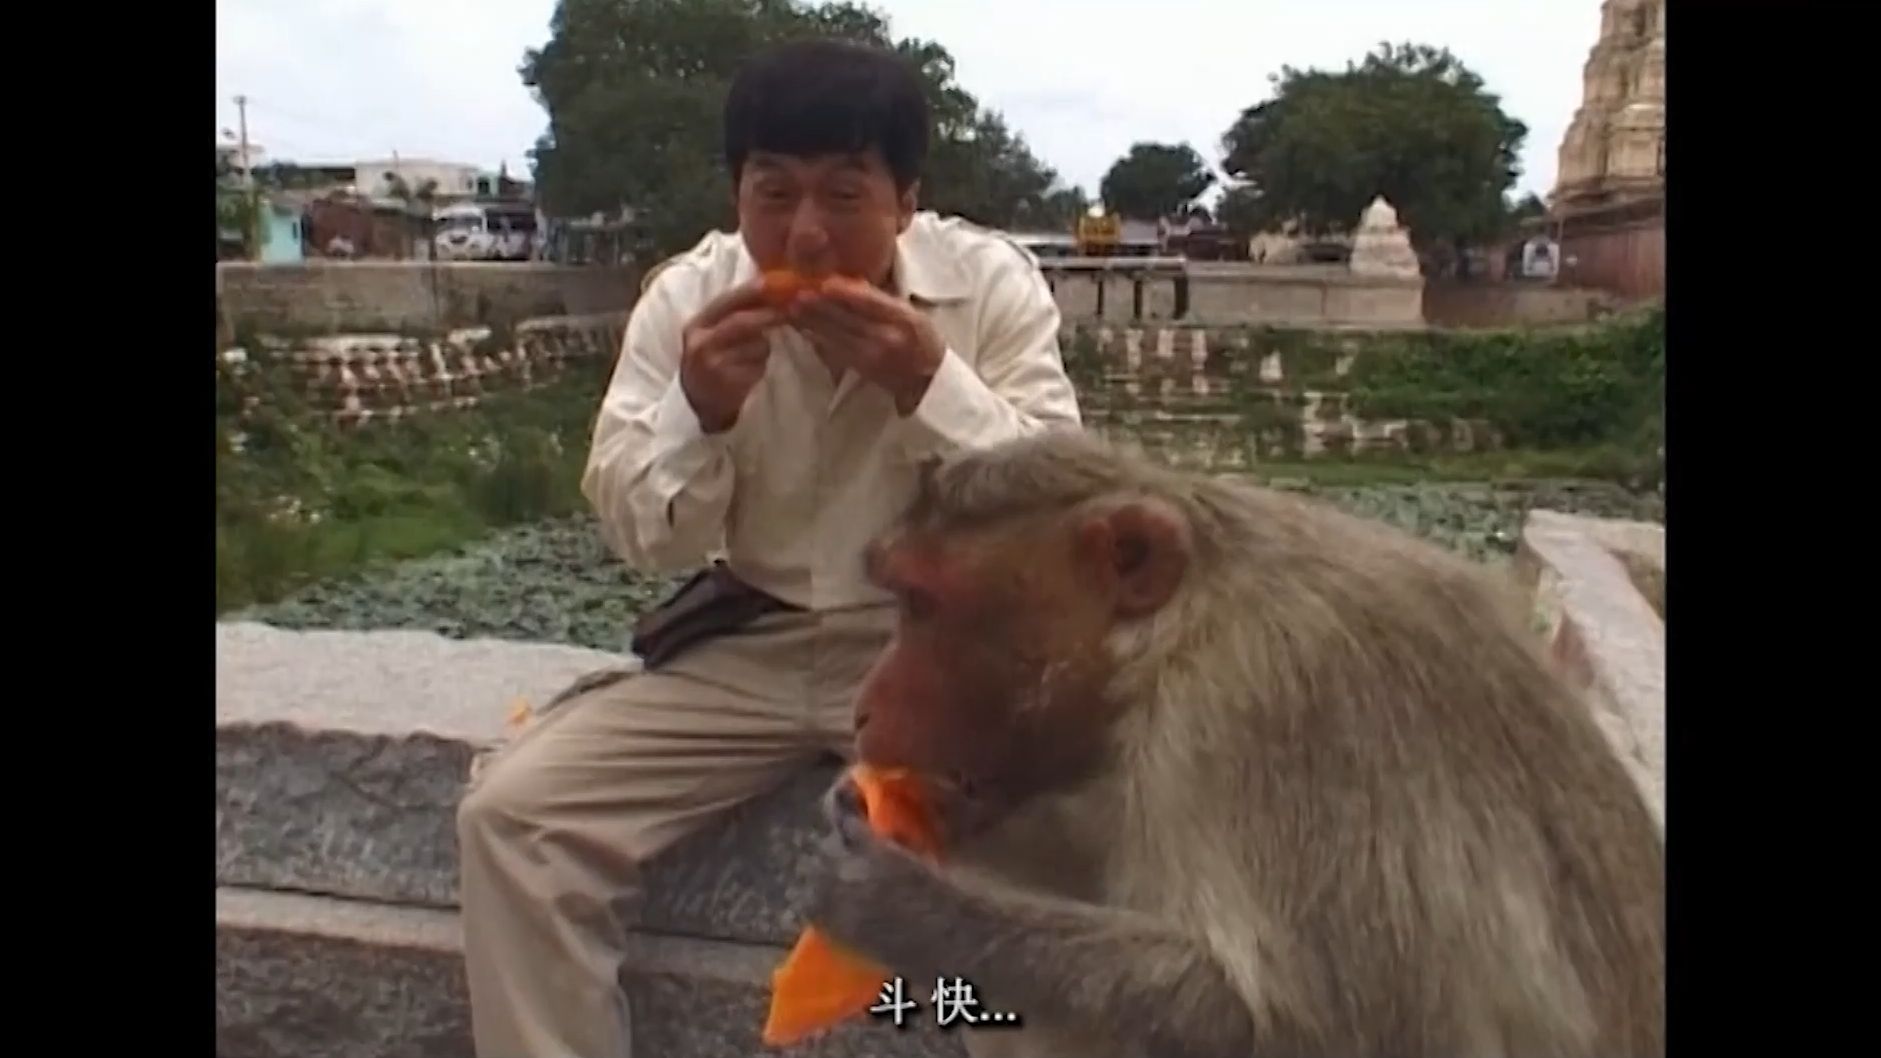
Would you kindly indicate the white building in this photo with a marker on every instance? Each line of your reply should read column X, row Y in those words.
column 377, row 177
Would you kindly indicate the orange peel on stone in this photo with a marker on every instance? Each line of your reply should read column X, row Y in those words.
column 519, row 714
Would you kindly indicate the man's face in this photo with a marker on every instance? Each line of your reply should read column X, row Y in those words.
column 820, row 215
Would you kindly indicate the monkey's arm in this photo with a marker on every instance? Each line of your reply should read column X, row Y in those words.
column 1124, row 975
column 1120, row 974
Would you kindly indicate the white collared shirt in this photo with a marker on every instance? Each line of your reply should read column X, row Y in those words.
column 813, row 468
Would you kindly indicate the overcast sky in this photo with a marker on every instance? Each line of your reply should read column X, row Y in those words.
column 343, row 80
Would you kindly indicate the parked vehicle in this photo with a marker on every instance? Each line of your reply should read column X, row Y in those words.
column 484, row 231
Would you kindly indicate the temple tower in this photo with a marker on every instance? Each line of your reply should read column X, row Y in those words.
column 1614, row 149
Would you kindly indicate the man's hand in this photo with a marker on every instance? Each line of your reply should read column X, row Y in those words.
column 725, row 349
column 885, row 340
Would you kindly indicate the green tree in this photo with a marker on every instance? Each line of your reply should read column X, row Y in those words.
column 1155, row 180
column 1410, row 122
column 1059, row 210
column 1240, row 211
column 1529, row 207
column 634, row 91
column 237, row 210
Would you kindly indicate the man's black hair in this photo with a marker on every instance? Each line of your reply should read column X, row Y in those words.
column 825, row 96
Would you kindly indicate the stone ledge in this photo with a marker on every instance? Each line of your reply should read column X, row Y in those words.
column 323, row 978
column 318, row 977
column 341, row 757
column 1602, row 628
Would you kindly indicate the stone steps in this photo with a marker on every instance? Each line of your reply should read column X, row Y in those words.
column 1171, row 406
column 320, row 977
column 1164, row 418
column 340, row 759
column 1191, row 452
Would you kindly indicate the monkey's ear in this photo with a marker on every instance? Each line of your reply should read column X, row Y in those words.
column 1141, row 548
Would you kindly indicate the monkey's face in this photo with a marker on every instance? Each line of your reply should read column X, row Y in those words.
column 995, row 683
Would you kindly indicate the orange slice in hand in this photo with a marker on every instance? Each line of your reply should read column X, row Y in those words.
column 841, row 282
column 819, row 984
column 780, row 287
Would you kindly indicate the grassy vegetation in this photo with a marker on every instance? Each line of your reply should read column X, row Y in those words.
column 471, row 522
column 299, row 499
column 1607, row 463
column 1600, row 384
column 1584, row 401
column 554, row 581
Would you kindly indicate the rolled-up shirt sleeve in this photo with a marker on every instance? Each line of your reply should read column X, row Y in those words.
column 659, row 484
column 1017, row 387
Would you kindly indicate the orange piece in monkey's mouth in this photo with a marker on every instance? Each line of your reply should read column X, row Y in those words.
column 819, row 983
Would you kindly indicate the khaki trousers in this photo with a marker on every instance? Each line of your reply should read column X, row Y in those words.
column 556, row 824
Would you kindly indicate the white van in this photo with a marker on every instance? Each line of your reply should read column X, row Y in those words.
column 472, row 231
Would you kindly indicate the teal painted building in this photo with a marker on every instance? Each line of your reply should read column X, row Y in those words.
column 282, row 235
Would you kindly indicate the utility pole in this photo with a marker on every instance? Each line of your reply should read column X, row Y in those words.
column 248, row 178
column 241, row 110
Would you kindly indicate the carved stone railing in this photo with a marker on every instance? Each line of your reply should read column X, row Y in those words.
column 1206, row 397
column 1217, row 399
column 1126, row 291
column 358, row 378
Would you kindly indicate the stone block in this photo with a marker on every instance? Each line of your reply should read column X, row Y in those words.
column 1382, row 304
column 740, row 878
column 341, row 757
column 1603, row 629
column 317, row 977
column 342, row 295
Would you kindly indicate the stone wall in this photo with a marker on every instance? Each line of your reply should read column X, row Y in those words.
column 406, row 296
column 1329, row 298
column 1599, row 591
column 1330, row 301
column 1513, row 304
column 1226, row 398
column 358, row 378
column 1626, row 257
column 1212, row 398
column 336, row 296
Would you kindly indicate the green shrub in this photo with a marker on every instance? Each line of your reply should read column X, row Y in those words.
column 1602, row 384
column 300, row 499
column 1592, row 394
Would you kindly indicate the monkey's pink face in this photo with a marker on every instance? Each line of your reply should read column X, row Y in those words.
column 994, row 682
